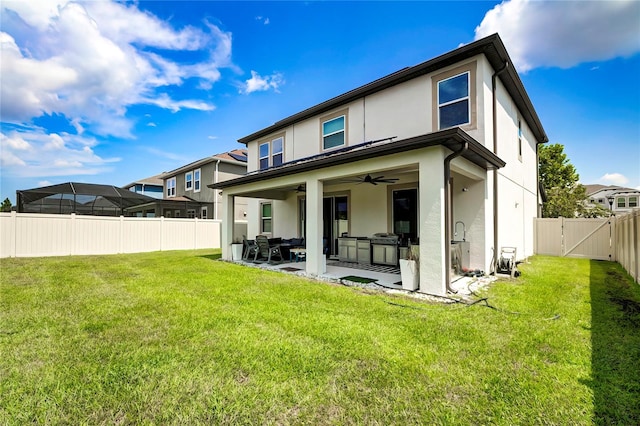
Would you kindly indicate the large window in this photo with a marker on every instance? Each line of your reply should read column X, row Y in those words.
column 633, row 201
column 196, row 180
column 271, row 154
column 333, row 132
column 171, row 187
column 622, row 202
column 265, row 218
column 188, row 181
column 454, row 106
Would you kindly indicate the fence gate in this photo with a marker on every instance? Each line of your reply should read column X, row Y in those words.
column 585, row 238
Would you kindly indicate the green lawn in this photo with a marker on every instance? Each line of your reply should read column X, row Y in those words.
column 182, row 338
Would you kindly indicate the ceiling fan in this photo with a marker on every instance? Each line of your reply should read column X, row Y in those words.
column 374, row 180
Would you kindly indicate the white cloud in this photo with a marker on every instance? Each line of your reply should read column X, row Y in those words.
column 90, row 62
column 614, row 179
column 152, row 124
column 258, row 83
column 23, row 154
column 44, row 183
column 563, row 33
column 212, row 137
column 262, row 19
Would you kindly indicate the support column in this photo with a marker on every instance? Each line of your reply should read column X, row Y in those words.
column 432, row 223
column 314, row 227
column 227, row 225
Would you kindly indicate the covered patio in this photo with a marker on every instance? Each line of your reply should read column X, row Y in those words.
column 447, row 170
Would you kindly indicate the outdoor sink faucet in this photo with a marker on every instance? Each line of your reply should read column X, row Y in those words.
column 464, row 230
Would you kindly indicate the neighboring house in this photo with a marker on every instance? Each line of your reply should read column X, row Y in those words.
column 152, row 186
column 186, row 193
column 444, row 150
column 615, row 198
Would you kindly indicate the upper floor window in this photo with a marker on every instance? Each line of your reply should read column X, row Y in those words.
column 277, row 151
column 519, row 139
column 271, row 154
column 454, row 103
column 333, row 132
column 196, row 180
column 633, row 201
column 188, row 181
column 171, row 187
column 622, row 202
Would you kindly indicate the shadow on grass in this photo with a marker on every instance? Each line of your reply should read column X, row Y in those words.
column 215, row 256
column 615, row 339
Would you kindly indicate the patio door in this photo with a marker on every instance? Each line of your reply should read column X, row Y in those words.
column 335, row 221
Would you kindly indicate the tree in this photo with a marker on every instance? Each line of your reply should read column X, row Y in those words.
column 565, row 196
column 6, row 205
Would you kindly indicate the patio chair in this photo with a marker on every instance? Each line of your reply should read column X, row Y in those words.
column 249, row 250
column 266, row 250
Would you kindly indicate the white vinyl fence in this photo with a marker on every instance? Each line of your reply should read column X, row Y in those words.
column 34, row 235
column 614, row 238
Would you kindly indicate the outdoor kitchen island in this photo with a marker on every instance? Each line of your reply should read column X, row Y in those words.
column 381, row 249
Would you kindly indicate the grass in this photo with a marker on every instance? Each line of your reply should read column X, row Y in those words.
column 181, row 338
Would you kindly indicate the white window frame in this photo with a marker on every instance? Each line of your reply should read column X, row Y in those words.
column 274, row 153
column 343, row 131
column 197, row 176
column 263, row 218
column 467, row 98
column 633, row 201
column 203, row 212
column 188, row 181
column 620, row 205
column 262, row 157
column 171, row 187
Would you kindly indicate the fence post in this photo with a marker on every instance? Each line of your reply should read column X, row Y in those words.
column 14, row 238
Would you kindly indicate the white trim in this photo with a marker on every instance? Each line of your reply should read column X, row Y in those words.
column 198, row 180
column 170, row 190
column 188, row 179
column 203, row 212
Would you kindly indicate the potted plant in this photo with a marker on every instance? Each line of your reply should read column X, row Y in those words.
column 410, row 269
column 236, row 249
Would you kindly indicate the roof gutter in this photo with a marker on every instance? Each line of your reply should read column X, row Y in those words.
column 447, row 212
column 494, row 78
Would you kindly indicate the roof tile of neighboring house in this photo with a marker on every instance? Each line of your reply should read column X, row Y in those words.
column 152, row 180
column 594, row 188
column 236, row 156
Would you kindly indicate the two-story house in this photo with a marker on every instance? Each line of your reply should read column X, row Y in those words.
column 186, row 190
column 617, row 199
column 152, row 186
column 441, row 151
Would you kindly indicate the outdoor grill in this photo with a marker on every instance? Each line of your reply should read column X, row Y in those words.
column 384, row 239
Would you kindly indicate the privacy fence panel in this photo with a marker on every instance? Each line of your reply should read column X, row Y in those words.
column 615, row 238
column 33, row 235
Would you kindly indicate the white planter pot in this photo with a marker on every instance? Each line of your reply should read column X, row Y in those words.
column 410, row 274
column 236, row 251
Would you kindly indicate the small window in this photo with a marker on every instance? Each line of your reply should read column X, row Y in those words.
column 519, row 139
column 196, row 180
column 176, row 213
column 203, row 213
column 333, row 132
column 454, row 106
column 621, row 202
column 264, row 155
column 191, row 213
column 171, row 187
column 265, row 213
column 601, row 200
column 277, row 152
column 188, row 181
column 633, row 201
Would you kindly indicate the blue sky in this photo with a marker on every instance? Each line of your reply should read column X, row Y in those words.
column 107, row 92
